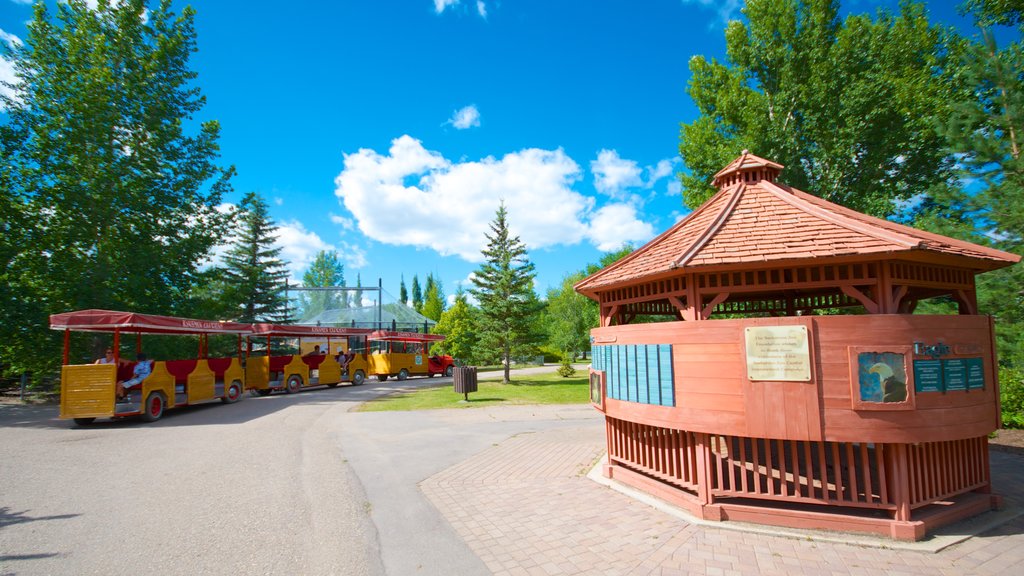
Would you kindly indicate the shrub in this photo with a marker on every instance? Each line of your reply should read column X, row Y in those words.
column 566, row 370
column 1011, row 397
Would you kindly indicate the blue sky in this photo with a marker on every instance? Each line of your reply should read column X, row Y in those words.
column 390, row 130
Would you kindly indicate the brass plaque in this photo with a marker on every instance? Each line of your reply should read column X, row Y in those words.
column 779, row 353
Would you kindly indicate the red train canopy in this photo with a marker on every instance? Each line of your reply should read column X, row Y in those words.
column 305, row 331
column 111, row 321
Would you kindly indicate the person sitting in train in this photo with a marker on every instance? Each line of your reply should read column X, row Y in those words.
column 139, row 373
column 108, row 358
column 316, row 351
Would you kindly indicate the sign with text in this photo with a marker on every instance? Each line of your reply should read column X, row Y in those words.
column 779, row 353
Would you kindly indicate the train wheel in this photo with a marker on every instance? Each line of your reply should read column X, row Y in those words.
column 449, row 370
column 234, row 393
column 153, row 409
column 84, row 421
column 403, row 374
column 359, row 377
column 294, row 384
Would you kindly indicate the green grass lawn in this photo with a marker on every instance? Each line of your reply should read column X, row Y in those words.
column 536, row 389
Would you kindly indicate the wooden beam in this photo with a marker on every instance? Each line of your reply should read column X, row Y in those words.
column 710, row 308
column 870, row 305
column 898, row 293
column 967, row 301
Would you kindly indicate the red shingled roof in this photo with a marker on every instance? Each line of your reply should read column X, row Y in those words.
column 754, row 220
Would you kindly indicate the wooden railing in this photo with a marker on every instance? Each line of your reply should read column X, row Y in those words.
column 848, row 474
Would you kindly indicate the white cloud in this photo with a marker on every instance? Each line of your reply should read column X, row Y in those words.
column 613, row 175
column 468, row 117
column 345, row 223
column 440, row 5
column 415, row 197
column 616, row 224
column 298, row 246
column 353, row 255
column 278, row 201
column 481, row 9
column 662, row 169
column 727, row 9
column 675, row 188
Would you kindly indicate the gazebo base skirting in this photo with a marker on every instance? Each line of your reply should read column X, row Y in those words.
column 903, row 491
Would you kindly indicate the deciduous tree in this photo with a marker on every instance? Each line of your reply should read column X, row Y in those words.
column 458, row 324
column 109, row 190
column 847, row 106
column 325, row 271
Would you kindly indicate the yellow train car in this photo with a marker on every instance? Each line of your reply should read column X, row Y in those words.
column 327, row 357
column 115, row 387
column 405, row 354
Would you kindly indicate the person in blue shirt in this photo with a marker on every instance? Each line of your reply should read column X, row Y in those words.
column 139, row 373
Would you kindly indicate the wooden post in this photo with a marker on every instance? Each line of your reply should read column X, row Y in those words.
column 67, row 346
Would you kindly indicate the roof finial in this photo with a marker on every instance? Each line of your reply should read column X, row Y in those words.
column 745, row 152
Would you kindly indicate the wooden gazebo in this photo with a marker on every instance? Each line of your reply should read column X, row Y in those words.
column 791, row 382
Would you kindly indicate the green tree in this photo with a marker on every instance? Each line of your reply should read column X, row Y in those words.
column 570, row 316
column 508, row 304
column 985, row 204
column 417, row 294
column 433, row 300
column 847, row 106
column 325, row 271
column 254, row 273
column 357, row 295
column 108, row 188
column 458, row 324
column 403, row 294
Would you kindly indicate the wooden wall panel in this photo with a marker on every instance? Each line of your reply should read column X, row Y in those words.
column 714, row 395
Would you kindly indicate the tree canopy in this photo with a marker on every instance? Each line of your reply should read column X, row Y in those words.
column 846, row 106
column 325, row 271
column 108, row 200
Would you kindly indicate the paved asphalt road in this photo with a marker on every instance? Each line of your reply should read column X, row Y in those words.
column 286, row 484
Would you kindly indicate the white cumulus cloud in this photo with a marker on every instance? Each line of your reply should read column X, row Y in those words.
column 467, row 117
column 298, row 246
column 415, row 197
column 616, row 224
column 613, row 174
column 481, row 8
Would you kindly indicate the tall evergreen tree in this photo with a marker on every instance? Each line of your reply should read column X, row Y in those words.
column 417, row 294
column 325, row 271
column 110, row 198
column 504, row 289
column 847, row 106
column 433, row 300
column 403, row 294
column 357, row 294
column 255, row 275
column 458, row 324
column 985, row 133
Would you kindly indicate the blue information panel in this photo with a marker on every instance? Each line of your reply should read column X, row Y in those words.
column 928, row 375
column 954, row 374
column 975, row 373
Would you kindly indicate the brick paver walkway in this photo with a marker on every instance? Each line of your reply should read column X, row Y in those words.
column 526, row 507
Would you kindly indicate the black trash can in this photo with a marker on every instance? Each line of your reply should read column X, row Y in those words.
column 464, row 378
